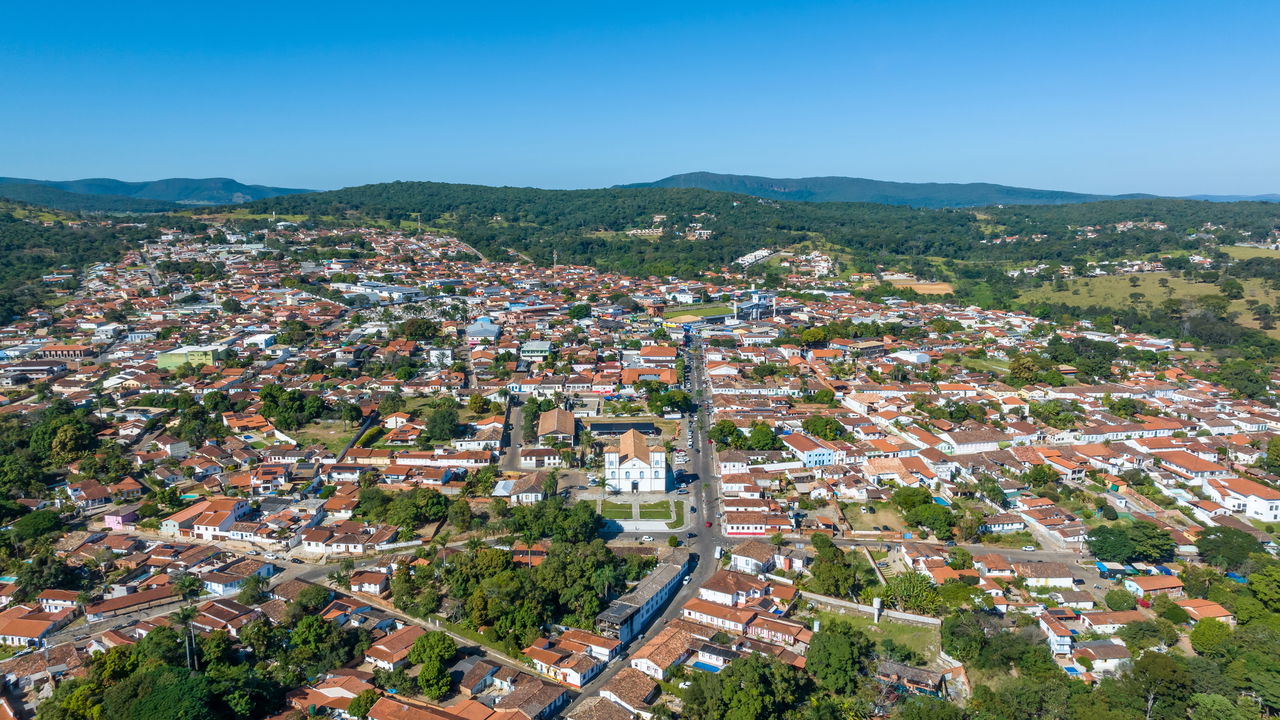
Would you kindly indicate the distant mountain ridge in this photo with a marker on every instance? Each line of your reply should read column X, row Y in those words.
column 179, row 191
column 929, row 195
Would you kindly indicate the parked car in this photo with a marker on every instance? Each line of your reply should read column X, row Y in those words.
column 272, row 556
column 647, row 538
column 708, row 523
column 690, row 536
column 1028, row 548
column 296, row 561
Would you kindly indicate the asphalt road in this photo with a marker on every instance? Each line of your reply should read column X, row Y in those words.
column 705, row 496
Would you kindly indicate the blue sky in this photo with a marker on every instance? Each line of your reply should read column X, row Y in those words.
column 1165, row 97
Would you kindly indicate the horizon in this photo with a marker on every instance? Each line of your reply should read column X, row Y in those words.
column 1089, row 98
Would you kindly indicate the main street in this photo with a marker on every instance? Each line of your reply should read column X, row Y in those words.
column 704, row 491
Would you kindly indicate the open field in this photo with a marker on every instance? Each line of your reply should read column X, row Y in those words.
column 885, row 514
column 333, row 434
column 697, row 311
column 1115, row 291
column 1244, row 252
column 925, row 288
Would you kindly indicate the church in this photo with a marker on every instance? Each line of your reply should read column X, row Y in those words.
column 633, row 466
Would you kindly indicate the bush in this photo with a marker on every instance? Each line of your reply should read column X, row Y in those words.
column 1120, row 600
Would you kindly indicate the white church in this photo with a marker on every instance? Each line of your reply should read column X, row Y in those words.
column 633, row 466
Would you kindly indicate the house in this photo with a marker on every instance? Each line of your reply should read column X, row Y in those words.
column 557, row 426
column 562, row 663
column 1245, row 496
column 910, row 680
column 1150, row 585
column 1045, row 574
column 370, row 582
column 1199, row 610
column 392, row 651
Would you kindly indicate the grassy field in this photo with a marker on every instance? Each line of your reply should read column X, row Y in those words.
column 698, row 310
column 333, row 434
column 1241, row 252
column 1116, row 291
column 884, row 515
column 923, row 640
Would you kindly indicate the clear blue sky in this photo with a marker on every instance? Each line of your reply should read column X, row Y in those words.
column 1166, row 97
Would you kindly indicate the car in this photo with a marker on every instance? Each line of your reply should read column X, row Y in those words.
column 690, row 536
column 692, row 509
column 272, row 556
column 296, row 561
column 949, row 543
column 647, row 538
column 251, row 552
column 682, row 491
column 708, row 523
column 1028, row 548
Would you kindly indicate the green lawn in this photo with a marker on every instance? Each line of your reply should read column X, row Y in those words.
column 616, row 511
column 679, row 518
column 922, row 639
column 655, row 510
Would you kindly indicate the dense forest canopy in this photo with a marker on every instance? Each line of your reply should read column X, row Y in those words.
column 586, row 226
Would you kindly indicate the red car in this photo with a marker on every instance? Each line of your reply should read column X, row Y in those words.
column 708, row 523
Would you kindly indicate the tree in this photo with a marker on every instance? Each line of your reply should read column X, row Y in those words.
column 839, row 656
column 1265, row 584
column 433, row 679
column 923, row 707
column 912, row 592
column 433, row 645
column 460, row 514
column 1226, row 547
column 1120, row 600
column 189, row 585
column 362, row 703
column 753, row 687
column 1209, row 636
column 253, row 590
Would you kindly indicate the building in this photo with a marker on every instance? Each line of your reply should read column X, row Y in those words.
column 196, row 355
column 633, row 466
column 627, row 616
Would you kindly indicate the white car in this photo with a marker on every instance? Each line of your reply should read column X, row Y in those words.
column 1028, row 548
column 272, row 556
column 647, row 538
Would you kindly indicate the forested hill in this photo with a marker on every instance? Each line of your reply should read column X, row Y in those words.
column 29, row 250
column 182, row 191
column 58, row 199
column 851, row 189
column 587, row 226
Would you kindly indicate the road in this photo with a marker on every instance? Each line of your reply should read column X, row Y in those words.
column 704, row 493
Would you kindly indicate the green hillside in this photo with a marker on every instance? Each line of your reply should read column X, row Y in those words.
column 184, row 191
column 587, row 226
column 52, row 197
column 849, row 189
